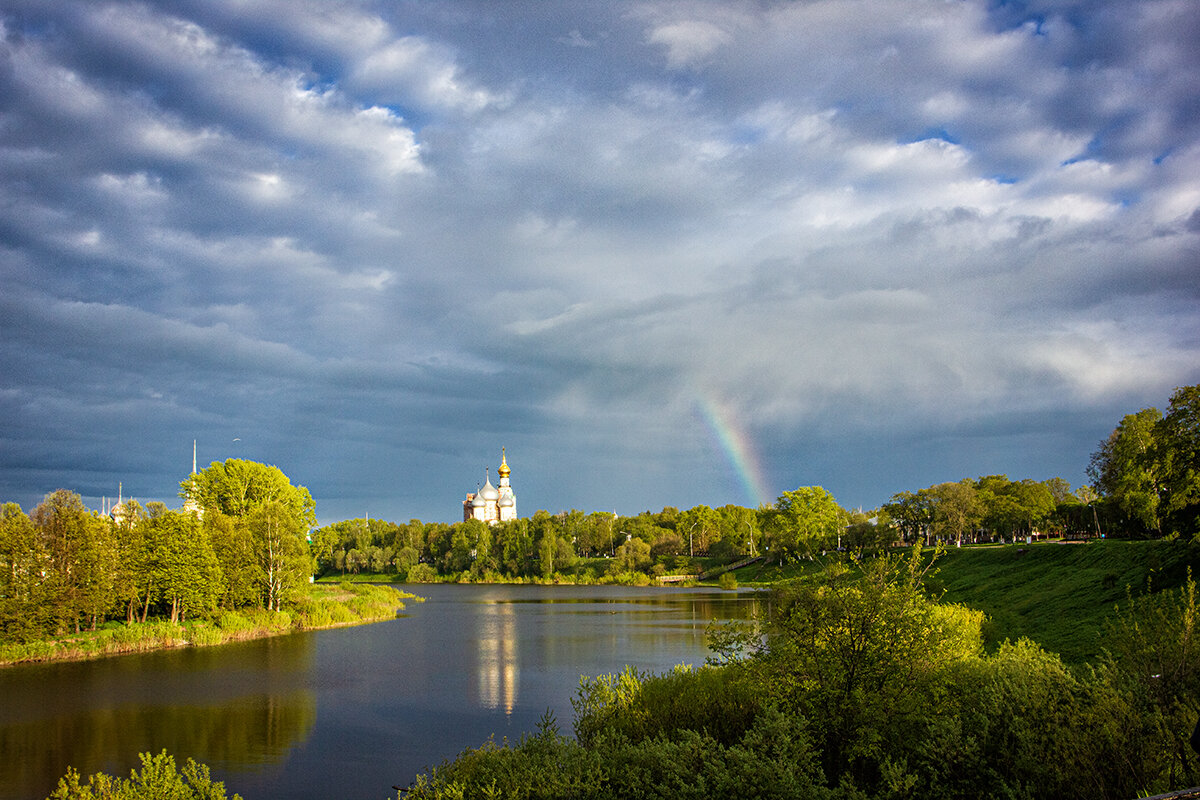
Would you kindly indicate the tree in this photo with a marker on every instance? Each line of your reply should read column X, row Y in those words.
column 64, row 525
column 956, row 509
column 234, row 546
column 852, row 652
column 265, row 538
column 282, row 551
column 23, row 599
column 912, row 514
column 804, row 520
column 1123, row 468
column 237, row 487
column 1177, row 461
column 739, row 532
column 633, row 556
column 698, row 527
column 183, row 570
column 1060, row 489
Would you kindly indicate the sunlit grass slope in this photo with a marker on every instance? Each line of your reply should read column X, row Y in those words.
column 1059, row 595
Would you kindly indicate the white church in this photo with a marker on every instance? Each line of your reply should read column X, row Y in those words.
column 492, row 504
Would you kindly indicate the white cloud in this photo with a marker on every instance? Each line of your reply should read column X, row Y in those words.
column 688, row 42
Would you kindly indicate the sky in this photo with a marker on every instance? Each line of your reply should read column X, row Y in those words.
column 664, row 253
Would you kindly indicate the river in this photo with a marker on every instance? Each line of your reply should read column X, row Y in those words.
column 349, row 712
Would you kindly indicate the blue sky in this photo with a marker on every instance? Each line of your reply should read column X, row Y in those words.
column 894, row 243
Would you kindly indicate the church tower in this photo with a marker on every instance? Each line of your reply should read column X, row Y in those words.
column 507, row 502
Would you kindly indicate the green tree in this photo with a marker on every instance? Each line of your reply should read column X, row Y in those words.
column 282, row 551
column 233, row 544
column 803, row 521
column 856, row 653
column 24, row 604
column 912, row 513
column 64, row 525
column 158, row 779
column 739, row 532
column 698, row 527
column 1124, row 468
column 633, row 556
column 956, row 509
column 1177, row 461
column 237, row 487
column 184, row 573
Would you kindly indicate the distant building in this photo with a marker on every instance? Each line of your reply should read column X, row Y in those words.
column 491, row 504
column 189, row 502
column 120, row 512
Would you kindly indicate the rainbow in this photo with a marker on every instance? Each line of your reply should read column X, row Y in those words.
column 737, row 447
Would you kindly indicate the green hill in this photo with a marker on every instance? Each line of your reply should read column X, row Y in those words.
column 1060, row 594
column 1057, row 594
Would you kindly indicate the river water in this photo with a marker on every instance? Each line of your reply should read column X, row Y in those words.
column 350, row 712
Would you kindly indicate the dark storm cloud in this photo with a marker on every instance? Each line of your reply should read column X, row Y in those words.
column 372, row 243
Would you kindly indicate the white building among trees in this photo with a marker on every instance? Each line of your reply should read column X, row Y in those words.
column 492, row 504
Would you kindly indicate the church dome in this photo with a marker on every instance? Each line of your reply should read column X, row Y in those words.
column 489, row 492
column 504, row 471
column 478, row 502
column 507, row 501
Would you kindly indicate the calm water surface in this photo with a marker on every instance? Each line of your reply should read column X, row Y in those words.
column 349, row 713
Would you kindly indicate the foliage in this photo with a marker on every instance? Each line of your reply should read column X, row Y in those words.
column 856, row 648
column 237, row 487
column 1148, row 468
column 803, row 521
column 1178, row 456
column 714, row 702
column 1123, row 468
column 158, row 779
column 1152, row 651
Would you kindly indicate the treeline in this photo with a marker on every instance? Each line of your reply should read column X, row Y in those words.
column 240, row 542
column 861, row 686
column 574, row 545
column 605, row 547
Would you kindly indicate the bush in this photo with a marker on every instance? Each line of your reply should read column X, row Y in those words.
column 711, row 701
column 422, row 573
column 158, row 779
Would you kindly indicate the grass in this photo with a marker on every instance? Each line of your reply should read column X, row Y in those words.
column 1059, row 595
column 319, row 607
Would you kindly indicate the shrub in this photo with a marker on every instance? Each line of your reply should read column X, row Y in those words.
column 159, row 779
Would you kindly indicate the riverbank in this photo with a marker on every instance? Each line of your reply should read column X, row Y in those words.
column 324, row 606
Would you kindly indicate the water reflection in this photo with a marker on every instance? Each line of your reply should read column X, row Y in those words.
column 498, row 672
column 236, row 707
column 349, row 712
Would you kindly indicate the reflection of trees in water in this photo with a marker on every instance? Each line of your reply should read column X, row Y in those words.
column 697, row 611
column 250, row 730
column 232, row 705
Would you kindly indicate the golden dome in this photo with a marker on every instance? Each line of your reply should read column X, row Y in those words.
column 504, row 471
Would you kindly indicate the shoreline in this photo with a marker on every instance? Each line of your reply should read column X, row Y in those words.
column 353, row 605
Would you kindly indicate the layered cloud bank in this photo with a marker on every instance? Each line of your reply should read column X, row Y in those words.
column 666, row 253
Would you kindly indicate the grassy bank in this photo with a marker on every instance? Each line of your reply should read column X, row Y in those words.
column 322, row 607
column 587, row 577
column 1059, row 595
